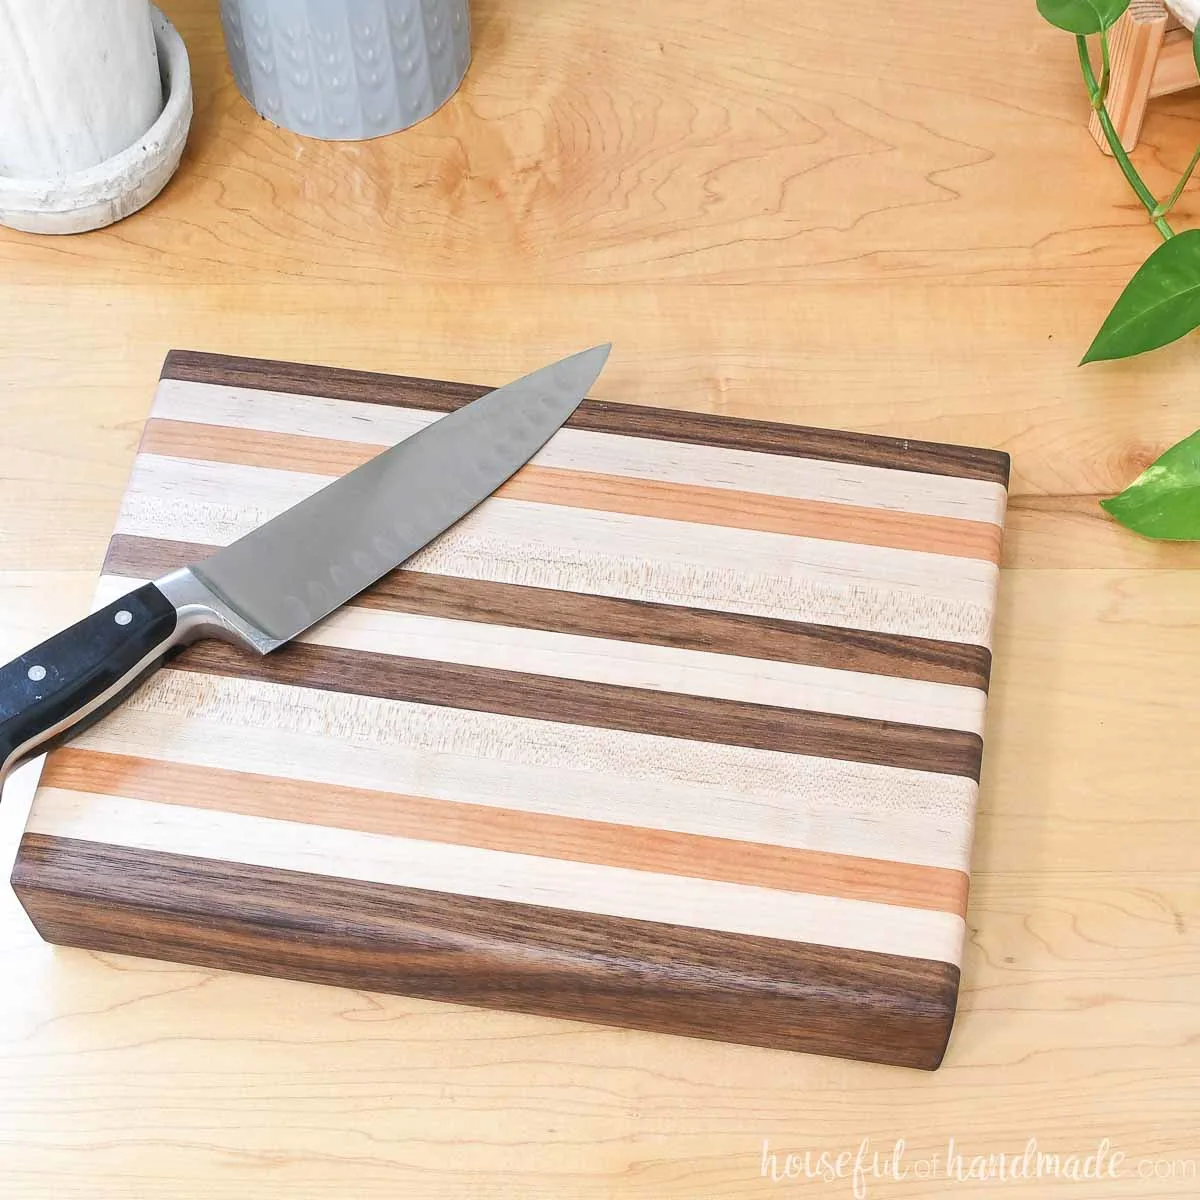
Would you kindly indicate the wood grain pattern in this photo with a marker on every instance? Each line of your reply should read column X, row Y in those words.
column 474, row 873
column 603, row 493
column 1136, row 42
column 336, row 421
column 449, row 688
column 770, row 219
column 491, row 953
column 956, row 663
column 331, row 738
column 908, row 592
column 646, row 666
column 764, row 437
column 1175, row 67
column 639, row 847
column 599, row 705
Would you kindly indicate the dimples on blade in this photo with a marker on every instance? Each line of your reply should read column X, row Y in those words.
column 307, row 561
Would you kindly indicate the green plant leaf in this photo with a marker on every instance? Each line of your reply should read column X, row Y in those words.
column 1196, row 45
column 1082, row 16
column 1164, row 500
column 1159, row 304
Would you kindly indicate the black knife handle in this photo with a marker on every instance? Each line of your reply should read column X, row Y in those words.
column 74, row 678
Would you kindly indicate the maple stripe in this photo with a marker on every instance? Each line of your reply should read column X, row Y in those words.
column 637, row 621
column 633, row 420
column 383, row 425
column 497, row 874
column 631, row 664
column 905, row 592
column 598, row 705
column 857, row 809
column 783, row 868
column 694, row 503
column 135, row 560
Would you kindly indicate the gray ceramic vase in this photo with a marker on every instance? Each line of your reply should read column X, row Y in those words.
column 347, row 69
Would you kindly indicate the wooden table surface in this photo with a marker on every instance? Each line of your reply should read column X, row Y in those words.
column 897, row 224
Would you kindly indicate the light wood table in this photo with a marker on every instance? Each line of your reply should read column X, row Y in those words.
column 898, row 225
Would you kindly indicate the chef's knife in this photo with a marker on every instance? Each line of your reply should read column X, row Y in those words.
column 279, row 579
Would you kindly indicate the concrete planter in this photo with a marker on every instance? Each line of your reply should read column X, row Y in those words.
column 347, row 69
column 95, row 105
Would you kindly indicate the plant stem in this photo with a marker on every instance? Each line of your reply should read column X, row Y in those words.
column 1105, row 66
column 1161, row 210
column 1140, row 190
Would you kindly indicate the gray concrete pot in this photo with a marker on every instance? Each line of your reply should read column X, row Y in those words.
column 347, row 69
column 95, row 104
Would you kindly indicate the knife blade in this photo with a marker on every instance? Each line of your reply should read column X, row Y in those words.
column 273, row 584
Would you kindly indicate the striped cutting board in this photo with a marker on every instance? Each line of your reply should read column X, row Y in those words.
column 680, row 731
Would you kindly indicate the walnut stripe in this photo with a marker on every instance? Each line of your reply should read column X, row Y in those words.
column 498, row 874
column 638, row 848
column 754, row 990
column 668, row 425
column 657, row 668
column 602, row 493
column 600, row 705
column 640, row 621
column 381, row 425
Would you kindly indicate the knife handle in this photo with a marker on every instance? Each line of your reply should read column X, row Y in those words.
column 75, row 677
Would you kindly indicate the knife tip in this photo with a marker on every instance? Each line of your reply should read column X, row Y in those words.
column 590, row 361
column 599, row 355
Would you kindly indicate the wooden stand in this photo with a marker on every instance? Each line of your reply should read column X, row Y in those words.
column 1151, row 56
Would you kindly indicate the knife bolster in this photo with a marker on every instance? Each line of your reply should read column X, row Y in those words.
column 205, row 613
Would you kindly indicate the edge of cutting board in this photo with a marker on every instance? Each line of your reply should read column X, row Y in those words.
column 643, row 974
column 600, row 416
column 754, row 991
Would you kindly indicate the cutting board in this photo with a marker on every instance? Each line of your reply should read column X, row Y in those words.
column 679, row 731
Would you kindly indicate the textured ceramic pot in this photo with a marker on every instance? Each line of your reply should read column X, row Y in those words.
column 347, row 69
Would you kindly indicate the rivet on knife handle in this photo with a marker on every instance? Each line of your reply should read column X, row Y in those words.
column 73, row 678
column 284, row 576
